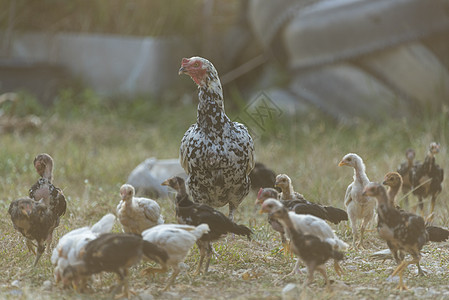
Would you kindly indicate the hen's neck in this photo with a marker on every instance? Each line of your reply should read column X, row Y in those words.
column 211, row 113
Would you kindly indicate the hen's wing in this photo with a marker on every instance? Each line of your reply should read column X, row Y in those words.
column 183, row 149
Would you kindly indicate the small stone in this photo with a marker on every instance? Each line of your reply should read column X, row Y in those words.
column 290, row 292
column 145, row 296
column 47, row 285
column 15, row 283
column 169, row 295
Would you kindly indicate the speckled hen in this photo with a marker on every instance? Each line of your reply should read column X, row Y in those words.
column 216, row 153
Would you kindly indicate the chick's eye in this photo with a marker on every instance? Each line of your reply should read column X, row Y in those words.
column 196, row 65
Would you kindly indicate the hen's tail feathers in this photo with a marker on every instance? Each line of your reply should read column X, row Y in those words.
column 437, row 234
column 154, row 252
column 200, row 230
column 336, row 215
column 337, row 244
column 242, row 230
column 104, row 225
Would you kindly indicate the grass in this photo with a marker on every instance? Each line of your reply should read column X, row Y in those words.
column 96, row 143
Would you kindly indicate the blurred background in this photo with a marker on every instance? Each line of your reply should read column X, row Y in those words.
column 350, row 59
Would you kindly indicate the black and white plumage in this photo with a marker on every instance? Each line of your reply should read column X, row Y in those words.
column 308, row 224
column 428, row 177
column 296, row 202
column 401, row 230
column 191, row 213
column 216, row 153
column 115, row 252
column 34, row 221
column 406, row 170
column 46, row 192
column 358, row 205
column 136, row 213
column 312, row 251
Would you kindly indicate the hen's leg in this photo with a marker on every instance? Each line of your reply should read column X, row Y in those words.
column 232, row 209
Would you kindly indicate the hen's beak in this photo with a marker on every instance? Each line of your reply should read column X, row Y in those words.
column 342, row 163
column 384, row 182
column 182, row 70
column 166, row 181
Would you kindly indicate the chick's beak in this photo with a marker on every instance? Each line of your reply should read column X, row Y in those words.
column 342, row 163
column 384, row 182
column 182, row 70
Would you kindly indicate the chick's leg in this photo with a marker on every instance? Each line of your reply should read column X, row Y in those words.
column 172, row 278
column 152, row 271
column 40, row 250
column 400, row 270
column 322, row 270
column 202, row 247
column 338, row 268
column 208, row 257
column 355, row 234
column 432, row 203
column 30, row 246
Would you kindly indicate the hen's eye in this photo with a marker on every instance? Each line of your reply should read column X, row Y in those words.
column 349, row 159
column 196, row 65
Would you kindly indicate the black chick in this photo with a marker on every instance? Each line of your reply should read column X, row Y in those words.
column 114, row 252
column 261, row 177
column 401, row 230
column 313, row 252
column 428, row 177
column 34, row 221
column 406, row 170
column 300, row 205
column 44, row 190
column 191, row 213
